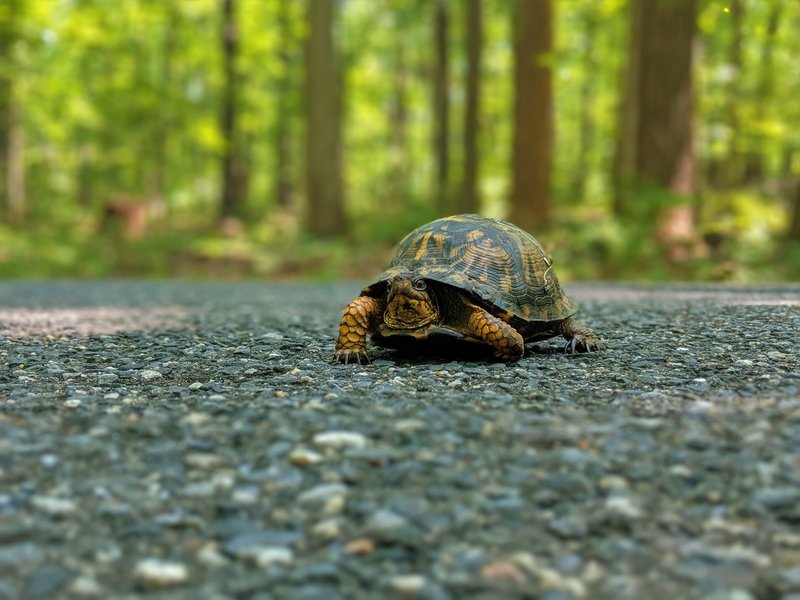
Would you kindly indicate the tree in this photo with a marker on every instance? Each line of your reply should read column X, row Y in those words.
column 468, row 201
column 12, row 166
column 656, row 134
column 283, row 188
column 324, row 215
column 441, row 104
column 233, row 168
column 532, row 158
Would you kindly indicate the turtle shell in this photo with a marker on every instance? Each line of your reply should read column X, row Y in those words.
column 491, row 259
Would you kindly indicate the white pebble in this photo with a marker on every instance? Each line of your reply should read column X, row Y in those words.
column 195, row 386
column 407, row 584
column 329, row 497
column 328, row 529
column 340, row 439
column 154, row 571
column 273, row 555
column 623, row 506
column 53, row 505
column 72, row 403
column 85, row 587
column 149, row 374
column 303, row 457
column 203, row 460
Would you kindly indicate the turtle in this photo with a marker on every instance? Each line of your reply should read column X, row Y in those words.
column 467, row 278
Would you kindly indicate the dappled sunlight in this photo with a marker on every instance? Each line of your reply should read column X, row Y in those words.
column 83, row 321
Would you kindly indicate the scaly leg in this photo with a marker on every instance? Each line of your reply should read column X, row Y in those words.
column 579, row 337
column 507, row 342
column 359, row 319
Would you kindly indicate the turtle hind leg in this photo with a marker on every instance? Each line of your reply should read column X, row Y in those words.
column 579, row 337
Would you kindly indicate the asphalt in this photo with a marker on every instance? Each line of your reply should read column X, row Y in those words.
column 187, row 440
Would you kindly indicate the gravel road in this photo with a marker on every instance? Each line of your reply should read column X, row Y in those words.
column 185, row 440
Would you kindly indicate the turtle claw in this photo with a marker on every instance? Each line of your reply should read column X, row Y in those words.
column 580, row 344
column 351, row 357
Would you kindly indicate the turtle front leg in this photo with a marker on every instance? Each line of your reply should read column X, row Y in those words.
column 506, row 340
column 579, row 337
column 359, row 319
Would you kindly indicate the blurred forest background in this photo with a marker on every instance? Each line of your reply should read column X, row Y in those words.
column 636, row 139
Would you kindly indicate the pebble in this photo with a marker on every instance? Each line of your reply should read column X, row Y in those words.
column 569, row 527
column 160, row 573
column 407, row 584
column 623, row 506
column 53, row 505
column 303, row 457
column 272, row 555
column 359, row 546
column 149, row 375
column 203, row 460
column 327, row 529
column 778, row 497
column 340, row 439
column 329, row 498
column 502, row 570
column 85, row 586
column 22, row 555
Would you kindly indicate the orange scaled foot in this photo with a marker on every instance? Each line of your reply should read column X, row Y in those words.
column 359, row 319
column 506, row 340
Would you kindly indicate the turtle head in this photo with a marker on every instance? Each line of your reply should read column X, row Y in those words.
column 410, row 304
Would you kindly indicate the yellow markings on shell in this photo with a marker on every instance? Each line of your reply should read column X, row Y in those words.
column 423, row 246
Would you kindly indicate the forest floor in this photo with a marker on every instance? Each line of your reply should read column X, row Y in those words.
column 194, row 440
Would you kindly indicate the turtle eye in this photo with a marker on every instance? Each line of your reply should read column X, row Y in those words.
column 420, row 285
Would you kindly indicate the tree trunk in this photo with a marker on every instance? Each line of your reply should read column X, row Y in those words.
column 733, row 165
column 441, row 106
column 398, row 133
column 12, row 171
column 587, row 102
column 794, row 224
column 655, row 146
column 469, row 199
column 754, row 159
column 324, row 215
column 233, row 168
column 625, row 152
column 533, row 134
column 160, row 167
column 664, row 143
column 283, row 191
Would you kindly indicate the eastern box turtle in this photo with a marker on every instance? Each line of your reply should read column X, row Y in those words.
column 469, row 278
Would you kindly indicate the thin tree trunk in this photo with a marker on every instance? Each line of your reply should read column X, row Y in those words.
column 16, row 167
column 794, row 224
column 628, row 123
column 398, row 133
column 10, row 133
column 324, row 215
column 441, row 106
column 283, row 191
column 469, row 200
column 754, row 159
column 160, row 166
column 587, row 102
column 733, row 169
column 532, row 158
column 231, row 204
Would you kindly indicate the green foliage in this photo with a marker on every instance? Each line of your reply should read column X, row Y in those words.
column 122, row 99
